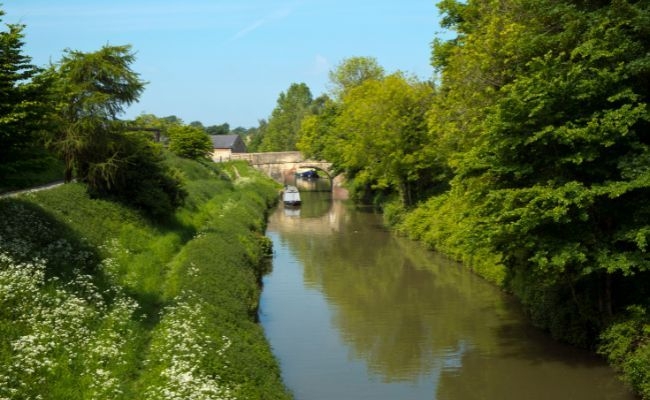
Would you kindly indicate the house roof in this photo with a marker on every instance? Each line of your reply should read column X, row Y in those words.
column 224, row 141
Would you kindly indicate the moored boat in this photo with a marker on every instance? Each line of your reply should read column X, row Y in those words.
column 291, row 196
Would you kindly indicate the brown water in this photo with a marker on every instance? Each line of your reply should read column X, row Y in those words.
column 353, row 312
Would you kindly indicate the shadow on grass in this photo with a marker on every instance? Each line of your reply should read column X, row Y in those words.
column 28, row 232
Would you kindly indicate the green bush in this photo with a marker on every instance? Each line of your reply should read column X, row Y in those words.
column 142, row 179
column 393, row 213
column 189, row 142
column 626, row 344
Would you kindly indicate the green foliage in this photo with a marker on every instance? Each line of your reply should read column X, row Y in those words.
column 443, row 223
column 90, row 90
column 281, row 133
column 386, row 136
column 24, row 100
column 120, row 307
column 377, row 134
column 317, row 132
column 354, row 71
column 255, row 136
column 222, row 129
column 626, row 344
column 542, row 115
column 189, row 142
column 554, row 193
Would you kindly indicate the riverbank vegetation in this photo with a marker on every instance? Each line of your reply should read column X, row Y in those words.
column 100, row 301
column 140, row 277
column 528, row 159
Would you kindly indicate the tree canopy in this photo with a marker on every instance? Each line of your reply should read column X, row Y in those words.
column 352, row 72
column 91, row 90
column 23, row 100
column 189, row 142
column 281, row 132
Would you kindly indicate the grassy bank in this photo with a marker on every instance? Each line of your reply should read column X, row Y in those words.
column 97, row 301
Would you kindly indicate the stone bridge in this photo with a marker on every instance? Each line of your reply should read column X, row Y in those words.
column 283, row 165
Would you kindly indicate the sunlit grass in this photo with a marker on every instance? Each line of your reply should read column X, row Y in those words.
column 98, row 301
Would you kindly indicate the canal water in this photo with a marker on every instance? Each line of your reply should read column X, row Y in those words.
column 353, row 312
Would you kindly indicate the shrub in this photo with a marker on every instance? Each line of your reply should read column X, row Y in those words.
column 141, row 179
column 626, row 344
column 394, row 213
column 189, row 142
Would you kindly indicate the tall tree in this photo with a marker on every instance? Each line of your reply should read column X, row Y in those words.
column 318, row 137
column 92, row 90
column 553, row 172
column 23, row 101
column 256, row 135
column 282, row 131
column 352, row 72
column 385, row 140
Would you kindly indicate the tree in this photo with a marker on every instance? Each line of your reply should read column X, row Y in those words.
column 281, row 133
column 318, row 136
column 256, row 135
column 352, row 72
column 385, row 140
column 189, row 142
column 552, row 172
column 92, row 89
column 23, row 102
column 222, row 129
column 197, row 124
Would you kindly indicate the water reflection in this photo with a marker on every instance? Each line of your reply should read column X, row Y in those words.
column 353, row 311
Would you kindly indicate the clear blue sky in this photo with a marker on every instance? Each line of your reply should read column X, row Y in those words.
column 219, row 61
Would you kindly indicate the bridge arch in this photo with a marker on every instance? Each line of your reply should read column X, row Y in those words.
column 280, row 165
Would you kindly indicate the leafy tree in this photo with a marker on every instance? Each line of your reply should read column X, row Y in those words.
column 172, row 120
column 222, row 129
column 197, row 124
column 543, row 116
column 352, row 72
column 385, row 133
column 318, row 136
column 189, row 142
column 256, row 135
column 23, row 102
column 145, row 181
column 155, row 127
column 282, row 131
column 92, row 89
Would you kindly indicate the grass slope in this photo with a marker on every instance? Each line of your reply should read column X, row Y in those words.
column 97, row 301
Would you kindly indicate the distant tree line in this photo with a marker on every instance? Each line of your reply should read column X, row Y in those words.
column 528, row 157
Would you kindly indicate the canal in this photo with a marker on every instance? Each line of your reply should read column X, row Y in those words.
column 353, row 312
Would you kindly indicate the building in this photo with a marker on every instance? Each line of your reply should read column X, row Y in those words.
column 224, row 145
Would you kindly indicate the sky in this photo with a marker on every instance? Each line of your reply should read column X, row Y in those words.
column 227, row 61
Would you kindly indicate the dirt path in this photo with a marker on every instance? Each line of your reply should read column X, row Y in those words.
column 32, row 189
